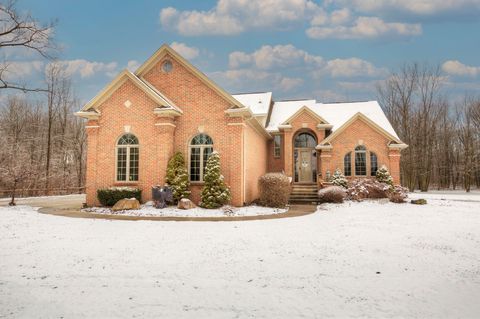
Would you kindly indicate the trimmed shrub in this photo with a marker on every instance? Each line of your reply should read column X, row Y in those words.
column 214, row 193
column 110, row 196
column 383, row 176
column 398, row 194
column 367, row 188
column 274, row 190
column 338, row 179
column 332, row 194
column 177, row 177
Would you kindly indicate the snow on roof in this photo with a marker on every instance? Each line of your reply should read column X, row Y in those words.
column 334, row 113
column 258, row 103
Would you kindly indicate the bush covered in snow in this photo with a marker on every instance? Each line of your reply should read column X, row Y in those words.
column 398, row 194
column 274, row 190
column 177, row 177
column 214, row 193
column 383, row 176
column 339, row 179
column 109, row 196
column 332, row 194
column 367, row 188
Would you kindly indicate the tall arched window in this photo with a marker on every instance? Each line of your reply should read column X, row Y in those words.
column 360, row 160
column 201, row 147
column 373, row 164
column 347, row 164
column 127, row 158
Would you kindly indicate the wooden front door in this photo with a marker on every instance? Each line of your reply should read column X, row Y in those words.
column 305, row 166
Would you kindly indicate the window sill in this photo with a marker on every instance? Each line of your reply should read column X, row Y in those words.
column 125, row 183
column 197, row 183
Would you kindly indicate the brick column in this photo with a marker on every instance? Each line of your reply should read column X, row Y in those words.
column 91, row 128
column 236, row 159
column 162, row 151
column 394, row 165
column 325, row 159
column 288, row 147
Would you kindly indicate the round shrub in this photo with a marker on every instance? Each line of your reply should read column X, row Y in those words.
column 332, row 194
column 367, row 188
column 274, row 189
column 109, row 196
column 398, row 194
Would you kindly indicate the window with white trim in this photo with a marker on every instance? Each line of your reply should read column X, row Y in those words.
column 277, row 140
column 127, row 158
column 360, row 161
column 201, row 147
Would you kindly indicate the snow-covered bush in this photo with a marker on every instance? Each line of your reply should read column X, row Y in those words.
column 367, row 188
column 214, row 193
column 332, row 194
column 398, row 194
column 383, row 176
column 109, row 196
column 177, row 177
column 339, row 179
column 274, row 190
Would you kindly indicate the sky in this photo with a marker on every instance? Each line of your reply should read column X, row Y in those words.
column 332, row 51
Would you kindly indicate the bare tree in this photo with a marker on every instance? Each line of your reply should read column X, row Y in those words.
column 22, row 32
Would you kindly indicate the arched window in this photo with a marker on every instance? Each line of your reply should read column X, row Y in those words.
column 305, row 140
column 347, row 164
column 201, row 147
column 360, row 160
column 373, row 164
column 127, row 158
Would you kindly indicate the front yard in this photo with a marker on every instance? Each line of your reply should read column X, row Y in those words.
column 369, row 259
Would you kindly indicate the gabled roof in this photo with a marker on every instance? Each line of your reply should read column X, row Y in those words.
column 282, row 110
column 305, row 109
column 259, row 103
column 121, row 78
column 368, row 121
column 167, row 50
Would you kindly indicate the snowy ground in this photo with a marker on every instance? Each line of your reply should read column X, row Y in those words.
column 148, row 210
column 370, row 259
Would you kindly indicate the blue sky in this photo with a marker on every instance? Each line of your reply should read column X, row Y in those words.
column 333, row 50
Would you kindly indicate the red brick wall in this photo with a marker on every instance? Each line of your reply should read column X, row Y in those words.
column 255, row 162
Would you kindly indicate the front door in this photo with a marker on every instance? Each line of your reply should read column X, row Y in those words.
column 305, row 166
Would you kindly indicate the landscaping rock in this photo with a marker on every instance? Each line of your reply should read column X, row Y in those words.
column 420, row 201
column 185, row 203
column 126, row 204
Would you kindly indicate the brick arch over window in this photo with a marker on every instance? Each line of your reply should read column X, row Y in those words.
column 127, row 158
column 200, row 149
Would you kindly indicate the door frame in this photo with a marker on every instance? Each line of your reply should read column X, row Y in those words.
column 313, row 163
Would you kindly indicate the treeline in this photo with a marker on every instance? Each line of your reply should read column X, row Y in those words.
column 43, row 144
column 443, row 135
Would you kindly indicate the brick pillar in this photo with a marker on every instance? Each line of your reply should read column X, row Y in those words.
column 288, row 147
column 236, row 158
column 325, row 159
column 160, row 154
column 92, row 128
column 394, row 165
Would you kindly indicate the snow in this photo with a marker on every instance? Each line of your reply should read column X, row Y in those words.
column 336, row 114
column 172, row 211
column 259, row 103
column 367, row 259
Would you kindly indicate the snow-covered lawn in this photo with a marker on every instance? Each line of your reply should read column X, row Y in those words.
column 148, row 210
column 370, row 259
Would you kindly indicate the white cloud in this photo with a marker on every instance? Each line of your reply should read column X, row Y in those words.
column 326, row 96
column 274, row 57
column 454, row 67
column 365, row 27
column 288, row 84
column 353, row 67
column 236, row 16
column 133, row 65
column 184, row 50
column 86, row 68
column 16, row 70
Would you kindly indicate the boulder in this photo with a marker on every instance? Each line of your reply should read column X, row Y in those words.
column 420, row 201
column 185, row 203
column 126, row 204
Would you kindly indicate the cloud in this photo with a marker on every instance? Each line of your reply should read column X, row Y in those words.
column 230, row 17
column 274, row 57
column 87, row 69
column 352, row 67
column 287, row 84
column 133, row 65
column 184, row 50
column 454, row 67
column 16, row 70
column 365, row 27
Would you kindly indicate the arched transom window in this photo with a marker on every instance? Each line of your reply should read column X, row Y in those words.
column 305, row 140
column 127, row 158
column 201, row 147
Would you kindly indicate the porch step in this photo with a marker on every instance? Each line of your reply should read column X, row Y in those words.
column 304, row 193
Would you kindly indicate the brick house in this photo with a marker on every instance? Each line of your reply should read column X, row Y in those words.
column 137, row 122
